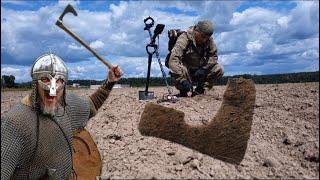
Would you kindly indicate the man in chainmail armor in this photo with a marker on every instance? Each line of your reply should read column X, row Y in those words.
column 36, row 135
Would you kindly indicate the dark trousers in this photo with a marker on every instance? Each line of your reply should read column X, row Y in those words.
column 216, row 72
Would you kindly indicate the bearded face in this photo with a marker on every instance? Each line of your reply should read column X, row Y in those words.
column 201, row 38
column 48, row 101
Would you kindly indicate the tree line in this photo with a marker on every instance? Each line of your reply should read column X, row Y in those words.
column 301, row 77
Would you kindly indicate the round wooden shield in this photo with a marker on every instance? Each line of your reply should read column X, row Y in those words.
column 86, row 158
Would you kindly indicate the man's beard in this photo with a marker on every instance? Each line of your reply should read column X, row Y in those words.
column 49, row 110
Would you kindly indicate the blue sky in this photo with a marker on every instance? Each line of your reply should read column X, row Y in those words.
column 253, row 37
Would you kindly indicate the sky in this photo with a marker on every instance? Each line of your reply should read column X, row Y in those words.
column 252, row 37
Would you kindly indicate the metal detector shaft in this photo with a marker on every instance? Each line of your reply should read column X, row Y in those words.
column 148, row 74
column 163, row 73
column 149, row 62
column 62, row 26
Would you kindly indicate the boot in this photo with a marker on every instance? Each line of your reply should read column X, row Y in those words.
column 198, row 91
column 183, row 93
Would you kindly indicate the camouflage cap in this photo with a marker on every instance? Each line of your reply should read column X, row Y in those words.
column 205, row 27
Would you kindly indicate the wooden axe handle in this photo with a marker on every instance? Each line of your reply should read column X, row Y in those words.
column 62, row 26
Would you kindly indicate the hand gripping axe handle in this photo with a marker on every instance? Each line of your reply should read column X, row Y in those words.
column 70, row 9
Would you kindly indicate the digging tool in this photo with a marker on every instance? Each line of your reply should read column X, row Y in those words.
column 225, row 137
column 152, row 48
column 70, row 9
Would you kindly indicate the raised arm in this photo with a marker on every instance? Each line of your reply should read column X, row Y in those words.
column 175, row 61
column 98, row 97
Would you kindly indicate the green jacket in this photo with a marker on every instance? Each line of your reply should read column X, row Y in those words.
column 186, row 56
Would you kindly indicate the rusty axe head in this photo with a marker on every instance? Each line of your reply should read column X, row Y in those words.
column 68, row 9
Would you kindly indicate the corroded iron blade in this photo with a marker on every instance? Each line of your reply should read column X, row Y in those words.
column 225, row 137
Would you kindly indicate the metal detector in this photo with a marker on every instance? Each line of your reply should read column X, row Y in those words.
column 152, row 48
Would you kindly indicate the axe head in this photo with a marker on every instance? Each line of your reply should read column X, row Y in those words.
column 68, row 9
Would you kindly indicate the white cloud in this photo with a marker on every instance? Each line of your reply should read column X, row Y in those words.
column 303, row 23
column 283, row 21
column 64, row 3
column 97, row 44
column 312, row 54
column 79, row 69
column 73, row 46
column 229, row 59
column 252, row 16
column 9, row 70
column 119, row 38
column 117, row 11
column 253, row 46
column 297, row 47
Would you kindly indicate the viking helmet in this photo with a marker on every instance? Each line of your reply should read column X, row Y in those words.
column 52, row 67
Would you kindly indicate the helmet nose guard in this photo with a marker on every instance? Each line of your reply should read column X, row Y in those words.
column 53, row 88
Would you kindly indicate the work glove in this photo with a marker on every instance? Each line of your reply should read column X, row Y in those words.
column 201, row 73
column 114, row 74
column 187, row 86
column 218, row 71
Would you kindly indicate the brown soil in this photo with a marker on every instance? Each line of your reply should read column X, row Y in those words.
column 283, row 143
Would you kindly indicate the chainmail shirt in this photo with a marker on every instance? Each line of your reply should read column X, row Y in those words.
column 23, row 158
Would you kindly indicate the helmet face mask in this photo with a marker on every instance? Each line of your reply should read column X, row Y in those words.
column 54, row 84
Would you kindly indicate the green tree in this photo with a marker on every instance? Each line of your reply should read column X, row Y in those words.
column 8, row 80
